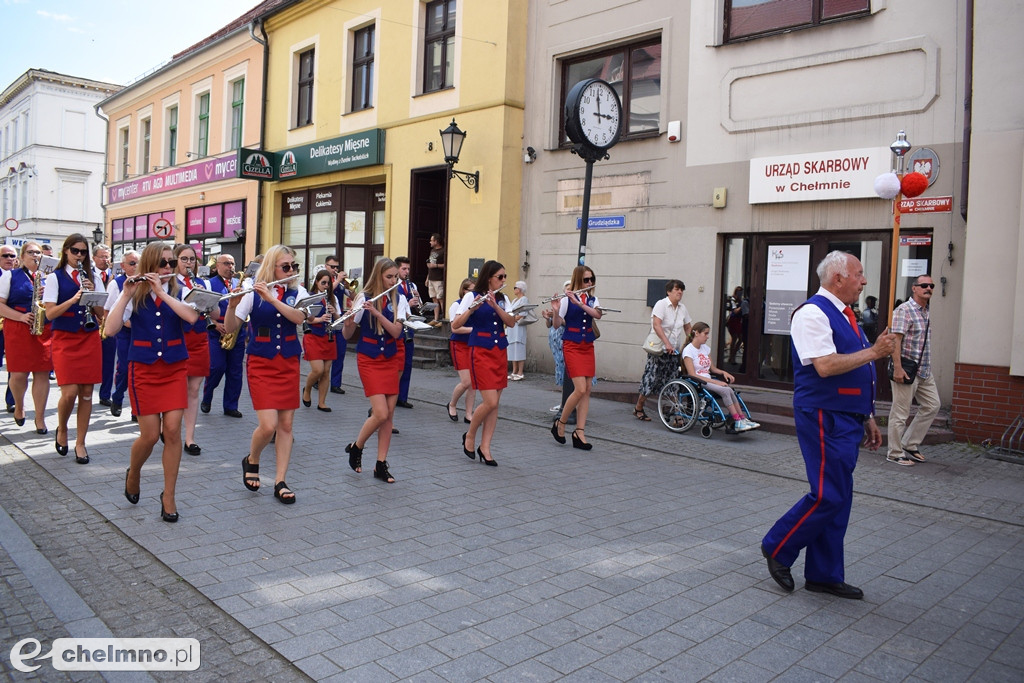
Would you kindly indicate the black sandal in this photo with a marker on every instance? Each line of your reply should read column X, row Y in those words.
column 251, row 482
column 288, row 497
column 380, row 471
column 641, row 414
column 355, row 457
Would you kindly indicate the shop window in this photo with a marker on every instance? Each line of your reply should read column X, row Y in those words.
column 214, row 220
column 634, row 70
column 439, row 46
column 134, row 232
column 362, row 68
column 753, row 18
column 304, row 108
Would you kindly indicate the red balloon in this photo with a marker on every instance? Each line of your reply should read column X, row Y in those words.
column 914, row 184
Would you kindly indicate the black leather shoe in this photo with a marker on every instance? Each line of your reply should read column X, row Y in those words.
column 10, row 409
column 337, row 390
column 205, row 407
column 105, row 402
column 192, row 448
column 840, row 590
column 779, row 572
column 403, row 404
column 115, row 410
column 232, row 413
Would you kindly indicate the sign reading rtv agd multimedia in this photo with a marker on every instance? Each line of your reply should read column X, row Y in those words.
column 844, row 174
column 325, row 156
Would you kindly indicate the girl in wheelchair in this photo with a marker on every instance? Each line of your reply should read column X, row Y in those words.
column 697, row 363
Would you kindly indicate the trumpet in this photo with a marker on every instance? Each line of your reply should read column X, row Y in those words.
column 352, row 311
column 557, row 297
column 246, row 290
column 480, row 299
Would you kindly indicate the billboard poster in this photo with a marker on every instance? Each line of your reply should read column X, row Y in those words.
column 786, row 286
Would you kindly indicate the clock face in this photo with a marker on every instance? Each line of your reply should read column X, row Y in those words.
column 594, row 114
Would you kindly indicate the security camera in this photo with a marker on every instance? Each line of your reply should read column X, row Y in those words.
column 530, row 156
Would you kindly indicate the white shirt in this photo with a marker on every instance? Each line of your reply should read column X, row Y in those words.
column 812, row 332
column 701, row 359
column 673, row 320
column 563, row 305
column 403, row 312
column 5, row 284
column 50, row 284
column 245, row 305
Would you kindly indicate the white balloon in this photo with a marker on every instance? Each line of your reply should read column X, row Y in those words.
column 887, row 185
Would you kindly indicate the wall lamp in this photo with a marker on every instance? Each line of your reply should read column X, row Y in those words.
column 530, row 156
column 451, row 141
column 98, row 235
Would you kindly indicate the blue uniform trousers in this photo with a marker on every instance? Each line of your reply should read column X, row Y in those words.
column 830, row 442
column 122, row 342
column 339, row 365
column 227, row 365
column 9, row 397
column 403, row 383
column 109, row 346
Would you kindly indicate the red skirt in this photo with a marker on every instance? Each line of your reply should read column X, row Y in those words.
column 26, row 352
column 380, row 375
column 319, row 348
column 273, row 382
column 198, row 345
column 459, row 351
column 157, row 388
column 488, row 367
column 76, row 357
column 579, row 358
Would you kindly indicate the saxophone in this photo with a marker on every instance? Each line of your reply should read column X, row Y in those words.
column 37, row 308
column 228, row 340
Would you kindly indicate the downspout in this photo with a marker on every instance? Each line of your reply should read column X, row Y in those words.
column 965, row 172
column 265, row 42
column 106, row 166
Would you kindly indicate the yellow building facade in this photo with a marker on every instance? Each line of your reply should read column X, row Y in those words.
column 357, row 92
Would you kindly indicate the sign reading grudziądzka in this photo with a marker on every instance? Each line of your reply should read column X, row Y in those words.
column 844, row 174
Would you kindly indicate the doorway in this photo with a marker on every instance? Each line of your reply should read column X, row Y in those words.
column 428, row 214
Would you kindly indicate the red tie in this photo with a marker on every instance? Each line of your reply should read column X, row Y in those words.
column 853, row 320
column 74, row 276
column 280, row 293
column 104, row 276
column 188, row 282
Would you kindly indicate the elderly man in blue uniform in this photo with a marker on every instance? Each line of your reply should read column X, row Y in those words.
column 225, row 364
column 833, row 407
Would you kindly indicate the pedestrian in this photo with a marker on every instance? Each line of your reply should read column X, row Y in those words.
column 833, row 408
column 672, row 323
column 129, row 268
column 157, row 367
column 227, row 350
column 407, row 288
column 318, row 342
column 578, row 310
column 869, row 318
column 911, row 323
column 197, row 340
column 555, row 346
column 380, row 359
column 458, row 348
column 101, row 261
column 435, row 278
column 485, row 310
column 344, row 290
column 517, row 333
column 273, row 366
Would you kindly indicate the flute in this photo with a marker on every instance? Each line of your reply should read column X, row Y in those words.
column 352, row 311
column 480, row 299
column 565, row 294
column 252, row 289
column 142, row 278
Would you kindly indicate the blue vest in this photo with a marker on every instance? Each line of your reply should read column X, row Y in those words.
column 74, row 318
column 200, row 324
column 579, row 326
column 20, row 296
column 488, row 328
column 157, row 334
column 372, row 344
column 270, row 333
column 405, row 289
column 459, row 337
column 319, row 329
column 851, row 392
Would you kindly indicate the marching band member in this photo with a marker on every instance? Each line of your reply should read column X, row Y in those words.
column 101, row 262
column 406, row 288
column 129, row 268
column 380, row 358
column 227, row 354
column 198, row 342
column 488, row 355
column 75, row 343
column 577, row 312
column 318, row 343
column 273, row 366
column 157, row 367
column 8, row 261
column 342, row 295
column 458, row 347
column 26, row 352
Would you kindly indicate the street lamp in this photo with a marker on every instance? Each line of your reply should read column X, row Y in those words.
column 451, row 141
column 899, row 148
column 98, row 235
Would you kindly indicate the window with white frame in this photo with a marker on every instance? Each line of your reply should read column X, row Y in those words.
column 122, row 152
column 304, row 99
column 203, row 124
column 237, row 113
column 362, row 67
column 746, row 19
column 146, row 135
column 439, row 46
column 171, row 118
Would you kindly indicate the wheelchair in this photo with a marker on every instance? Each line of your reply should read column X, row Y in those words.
column 685, row 401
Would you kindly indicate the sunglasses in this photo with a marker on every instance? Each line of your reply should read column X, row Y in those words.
column 289, row 267
column 187, row 259
column 173, row 263
column 588, row 280
column 10, row 255
column 133, row 263
column 501, row 277
column 78, row 252
column 334, row 267
column 926, row 285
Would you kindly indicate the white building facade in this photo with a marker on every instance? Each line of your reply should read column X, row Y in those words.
column 52, row 157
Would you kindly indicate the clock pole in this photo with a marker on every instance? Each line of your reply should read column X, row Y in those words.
column 587, row 181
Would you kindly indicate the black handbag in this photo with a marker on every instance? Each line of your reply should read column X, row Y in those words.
column 909, row 364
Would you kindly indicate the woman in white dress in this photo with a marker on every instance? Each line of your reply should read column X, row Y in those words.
column 517, row 333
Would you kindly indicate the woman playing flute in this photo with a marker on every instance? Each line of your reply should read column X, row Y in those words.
column 578, row 312
column 318, row 342
column 198, row 342
column 458, row 347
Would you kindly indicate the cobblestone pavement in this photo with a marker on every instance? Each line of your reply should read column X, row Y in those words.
column 636, row 561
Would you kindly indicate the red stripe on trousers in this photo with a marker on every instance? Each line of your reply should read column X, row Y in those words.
column 821, row 484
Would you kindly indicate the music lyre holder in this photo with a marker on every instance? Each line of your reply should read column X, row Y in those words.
column 203, row 300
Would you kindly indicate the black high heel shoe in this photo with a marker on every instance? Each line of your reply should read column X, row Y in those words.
column 61, row 450
column 170, row 517
column 307, row 403
column 133, row 498
column 455, row 417
column 469, row 454
column 577, row 442
column 19, row 421
column 554, row 431
column 355, row 457
column 82, row 459
column 492, row 462
column 42, row 430
column 380, row 471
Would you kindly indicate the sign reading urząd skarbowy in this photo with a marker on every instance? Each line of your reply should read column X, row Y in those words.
column 844, row 174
